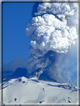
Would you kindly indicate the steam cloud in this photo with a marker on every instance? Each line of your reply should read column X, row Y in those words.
column 53, row 34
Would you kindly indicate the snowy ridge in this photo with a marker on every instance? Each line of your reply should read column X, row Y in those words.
column 33, row 91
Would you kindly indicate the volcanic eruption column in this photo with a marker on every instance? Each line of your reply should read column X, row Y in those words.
column 53, row 34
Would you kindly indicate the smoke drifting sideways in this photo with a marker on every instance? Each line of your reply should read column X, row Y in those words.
column 53, row 32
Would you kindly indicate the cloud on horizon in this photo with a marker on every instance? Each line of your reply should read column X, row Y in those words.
column 14, row 64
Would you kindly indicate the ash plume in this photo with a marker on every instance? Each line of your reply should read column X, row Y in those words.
column 53, row 34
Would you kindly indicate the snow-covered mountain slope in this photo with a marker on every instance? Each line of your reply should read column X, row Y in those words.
column 24, row 90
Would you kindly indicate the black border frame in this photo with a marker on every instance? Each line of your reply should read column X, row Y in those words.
column 35, row 1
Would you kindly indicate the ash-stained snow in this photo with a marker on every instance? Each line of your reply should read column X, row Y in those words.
column 32, row 90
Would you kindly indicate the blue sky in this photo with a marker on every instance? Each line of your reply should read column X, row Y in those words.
column 16, row 17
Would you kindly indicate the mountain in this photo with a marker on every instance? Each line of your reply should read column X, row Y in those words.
column 19, row 72
column 24, row 90
column 42, row 85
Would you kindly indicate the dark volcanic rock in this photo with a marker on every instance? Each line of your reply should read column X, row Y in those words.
column 19, row 72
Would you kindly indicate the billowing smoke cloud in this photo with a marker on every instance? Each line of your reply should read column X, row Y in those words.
column 53, row 34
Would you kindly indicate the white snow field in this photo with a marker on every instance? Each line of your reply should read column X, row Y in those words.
column 33, row 91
